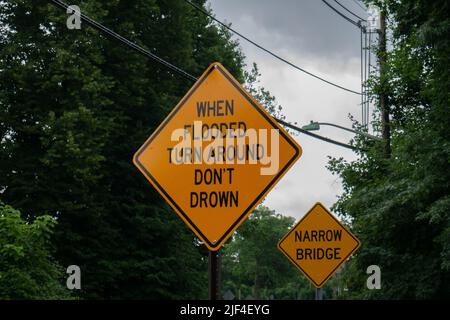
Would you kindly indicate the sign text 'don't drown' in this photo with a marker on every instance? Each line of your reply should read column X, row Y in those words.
column 216, row 156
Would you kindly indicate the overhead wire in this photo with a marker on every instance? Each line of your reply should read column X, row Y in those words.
column 367, row 79
column 349, row 11
column 368, row 66
column 364, row 57
column 355, row 23
column 362, row 78
column 200, row 9
column 366, row 107
column 359, row 4
column 133, row 45
column 180, row 71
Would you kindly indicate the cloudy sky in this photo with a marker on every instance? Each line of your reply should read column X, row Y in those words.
column 315, row 38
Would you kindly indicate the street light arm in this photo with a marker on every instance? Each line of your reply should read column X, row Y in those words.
column 293, row 127
column 351, row 130
column 337, row 126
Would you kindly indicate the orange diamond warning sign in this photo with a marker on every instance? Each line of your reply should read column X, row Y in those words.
column 318, row 244
column 216, row 156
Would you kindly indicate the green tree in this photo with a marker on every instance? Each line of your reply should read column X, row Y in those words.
column 74, row 107
column 261, row 94
column 27, row 269
column 399, row 207
column 253, row 266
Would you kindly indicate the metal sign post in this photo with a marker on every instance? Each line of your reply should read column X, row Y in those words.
column 214, row 275
column 319, row 294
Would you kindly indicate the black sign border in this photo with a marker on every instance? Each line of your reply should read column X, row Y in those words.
column 319, row 285
column 215, row 245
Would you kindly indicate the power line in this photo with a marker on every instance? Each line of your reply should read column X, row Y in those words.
column 345, row 8
column 362, row 79
column 366, row 100
column 180, row 71
column 133, row 45
column 359, row 5
column 366, row 67
column 355, row 23
column 369, row 64
column 267, row 50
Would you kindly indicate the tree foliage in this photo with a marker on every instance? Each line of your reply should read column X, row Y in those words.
column 27, row 268
column 74, row 107
column 254, row 267
column 399, row 206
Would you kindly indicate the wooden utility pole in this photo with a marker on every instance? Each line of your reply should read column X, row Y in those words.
column 384, row 105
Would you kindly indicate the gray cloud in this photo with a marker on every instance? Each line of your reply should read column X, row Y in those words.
column 307, row 27
column 310, row 34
